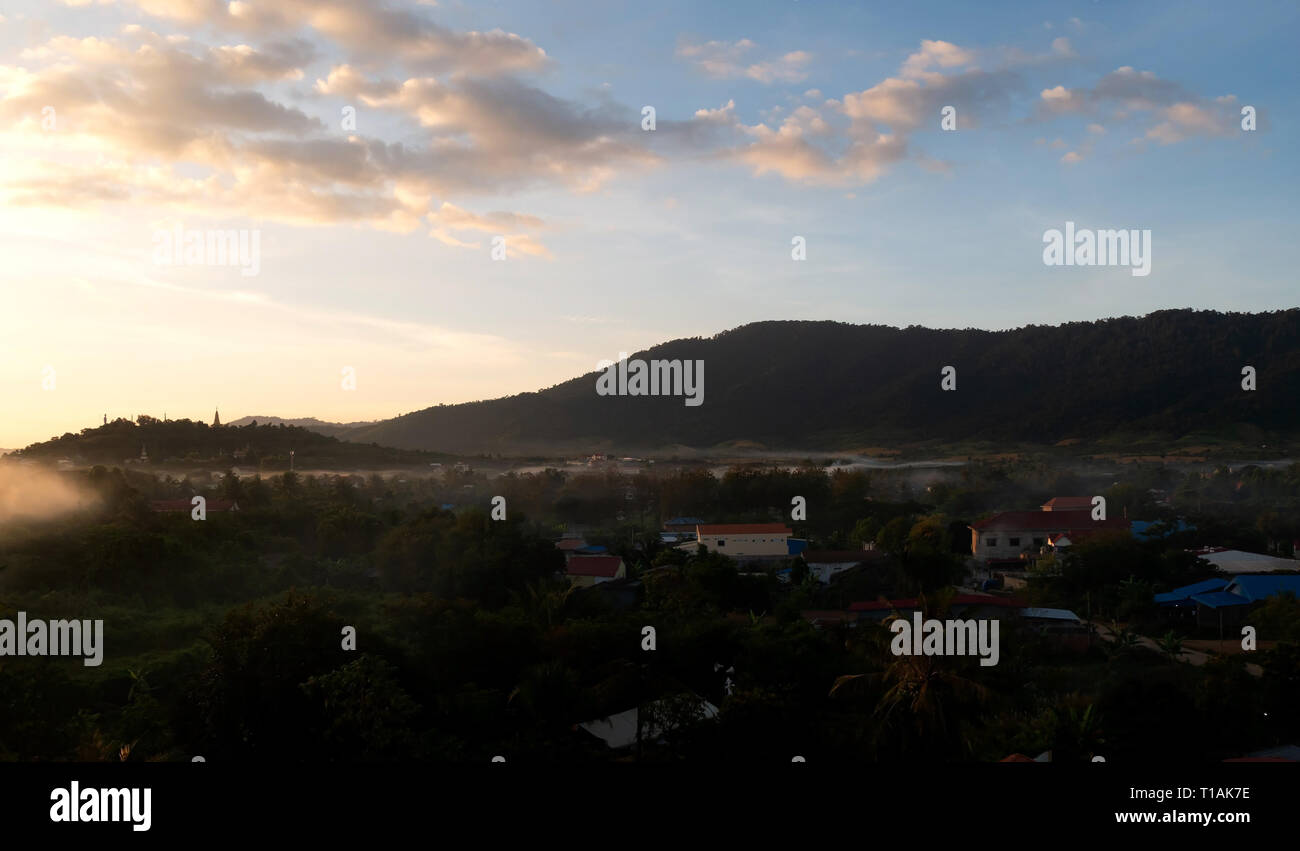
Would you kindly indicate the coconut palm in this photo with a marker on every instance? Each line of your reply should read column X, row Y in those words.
column 924, row 698
column 544, row 601
column 1077, row 733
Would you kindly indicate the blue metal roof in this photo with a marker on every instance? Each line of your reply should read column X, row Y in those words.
column 1220, row 599
column 1049, row 614
column 1139, row 528
column 1262, row 586
column 1185, row 593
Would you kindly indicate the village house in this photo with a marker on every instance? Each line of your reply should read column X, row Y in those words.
column 586, row 571
column 824, row 564
column 1068, row 503
column 744, row 539
column 570, row 546
column 1062, row 626
column 1006, row 536
column 1224, row 603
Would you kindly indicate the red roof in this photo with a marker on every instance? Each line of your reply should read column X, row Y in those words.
column 606, row 566
column 959, row 600
column 745, row 529
column 186, row 505
column 1075, row 536
column 1017, row 757
column 571, row 544
column 1069, row 503
column 1047, row 521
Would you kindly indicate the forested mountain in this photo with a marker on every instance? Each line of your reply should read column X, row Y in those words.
column 188, row 441
column 831, row 385
column 825, row 385
column 310, row 423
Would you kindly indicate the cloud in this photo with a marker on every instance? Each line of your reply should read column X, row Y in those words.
column 725, row 60
column 368, row 29
column 942, row 54
column 1061, row 100
column 147, row 119
column 1177, row 113
column 510, row 226
column 856, row 139
column 1062, row 47
column 278, row 60
column 492, row 135
column 725, row 114
column 1220, row 117
column 166, row 119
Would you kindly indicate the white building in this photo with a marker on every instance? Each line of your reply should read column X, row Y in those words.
column 743, row 539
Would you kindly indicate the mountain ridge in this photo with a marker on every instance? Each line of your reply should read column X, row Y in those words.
column 829, row 385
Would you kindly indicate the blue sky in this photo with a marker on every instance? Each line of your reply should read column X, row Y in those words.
column 473, row 120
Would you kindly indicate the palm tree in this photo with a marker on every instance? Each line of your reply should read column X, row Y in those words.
column 1125, row 640
column 1172, row 645
column 1078, row 734
column 923, row 698
column 544, row 600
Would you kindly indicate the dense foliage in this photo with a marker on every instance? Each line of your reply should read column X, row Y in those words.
column 179, row 441
column 225, row 637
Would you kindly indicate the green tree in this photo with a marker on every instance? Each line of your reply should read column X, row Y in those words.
column 1171, row 645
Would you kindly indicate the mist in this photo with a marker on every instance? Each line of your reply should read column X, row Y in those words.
column 29, row 493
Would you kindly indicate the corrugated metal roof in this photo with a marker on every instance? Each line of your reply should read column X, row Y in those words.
column 1184, row 593
column 1286, row 752
column 1220, row 599
column 1141, row 528
column 1238, row 561
column 1261, row 587
column 1050, row 614
column 619, row 730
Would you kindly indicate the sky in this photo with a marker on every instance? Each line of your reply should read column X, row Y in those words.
column 459, row 201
